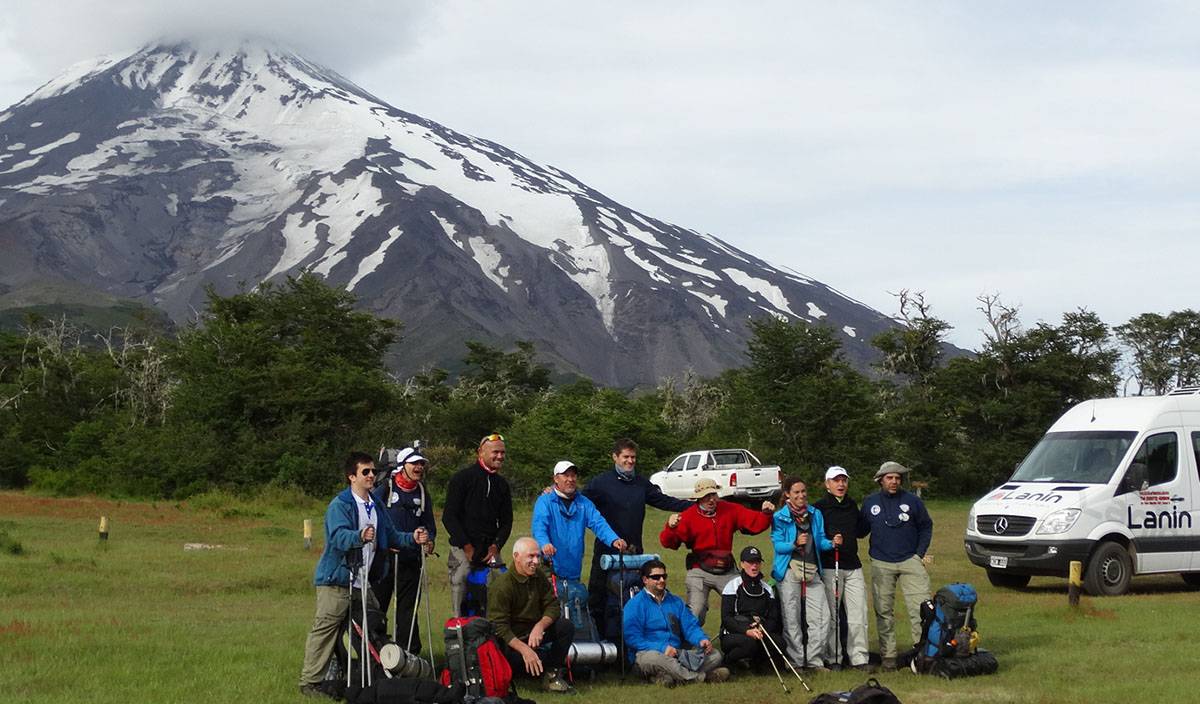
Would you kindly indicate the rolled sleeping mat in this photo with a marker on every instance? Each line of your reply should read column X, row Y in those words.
column 404, row 664
column 593, row 653
column 632, row 562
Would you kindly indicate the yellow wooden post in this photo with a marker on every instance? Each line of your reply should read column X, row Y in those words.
column 104, row 527
column 1075, row 582
column 308, row 534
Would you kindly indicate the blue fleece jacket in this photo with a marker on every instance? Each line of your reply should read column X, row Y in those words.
column 783, row 536
column 342, row 534
column 563, row 523
column 900, row 527
column 647, row 626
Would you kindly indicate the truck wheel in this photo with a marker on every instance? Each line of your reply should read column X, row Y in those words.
column 1192, row 579
column 1108, row 571
column 1007, row 579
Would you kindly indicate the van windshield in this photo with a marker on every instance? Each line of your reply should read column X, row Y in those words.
column 1084, row 457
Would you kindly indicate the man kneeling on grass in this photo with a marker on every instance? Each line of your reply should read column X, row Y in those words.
column 658, row 629
column 525, row 611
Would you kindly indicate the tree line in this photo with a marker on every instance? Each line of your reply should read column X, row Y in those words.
column 272, row 387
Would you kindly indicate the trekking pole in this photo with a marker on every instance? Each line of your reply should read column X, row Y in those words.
column 621, row 600
column 428, row 612
column 364, row 655
column 837, row 605
column 770, row 658
column 412, row 622
column 804, row 610
column 785, row 660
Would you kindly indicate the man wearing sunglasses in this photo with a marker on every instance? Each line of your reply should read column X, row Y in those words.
column 353, row 521
column 477, row 515
column 662, row 637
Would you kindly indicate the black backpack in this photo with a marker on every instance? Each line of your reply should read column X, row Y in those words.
column 869, row 692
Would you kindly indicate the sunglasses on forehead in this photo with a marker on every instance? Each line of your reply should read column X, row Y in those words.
column 491, row 438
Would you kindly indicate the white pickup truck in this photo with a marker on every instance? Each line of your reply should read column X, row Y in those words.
column 738, row 473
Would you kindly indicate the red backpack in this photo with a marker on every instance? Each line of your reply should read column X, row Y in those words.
column 474, row 658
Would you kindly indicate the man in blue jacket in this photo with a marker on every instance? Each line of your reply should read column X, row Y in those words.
column 561, row 518
column 662, row 637
column 622, row 496
column 901, row 530
column 353, row 521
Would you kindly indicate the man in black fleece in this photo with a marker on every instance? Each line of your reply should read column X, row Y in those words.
column 477, row 516
column 621, row 496
column 748, row 606
column 842, row 516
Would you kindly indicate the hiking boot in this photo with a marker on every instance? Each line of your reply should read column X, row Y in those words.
column 555, row 682
column 888, row 665
column 865, row 667
column 312, row 690
column 834, row 667
column 716, row 675
column 663, row 680
column 815, row 669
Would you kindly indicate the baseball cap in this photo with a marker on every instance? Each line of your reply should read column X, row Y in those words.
column 410, row 454
column 563, row 466
column 836, row 471
column 751, row 554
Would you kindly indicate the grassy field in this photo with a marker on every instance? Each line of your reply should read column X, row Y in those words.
column 140, row 619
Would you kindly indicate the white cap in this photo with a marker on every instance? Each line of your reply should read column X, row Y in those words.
column 563, row 466
column 836, row 471
column 409, row 454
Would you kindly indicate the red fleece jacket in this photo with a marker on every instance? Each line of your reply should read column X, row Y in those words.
column 701, row 533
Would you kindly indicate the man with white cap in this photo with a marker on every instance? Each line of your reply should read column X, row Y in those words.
column 901, row 531
column 844, row 581
column 410, row 506
column 707, row 529
column 561, row 519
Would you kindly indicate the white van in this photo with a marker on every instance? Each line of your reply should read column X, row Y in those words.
column 1113, row 484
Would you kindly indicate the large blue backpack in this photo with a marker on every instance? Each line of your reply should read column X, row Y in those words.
column 948, row 621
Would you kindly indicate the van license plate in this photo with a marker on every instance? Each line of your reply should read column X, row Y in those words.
column 999, row 561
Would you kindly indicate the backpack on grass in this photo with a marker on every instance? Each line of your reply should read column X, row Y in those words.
column 949, row 636
column 869, row 692
column 474, row 658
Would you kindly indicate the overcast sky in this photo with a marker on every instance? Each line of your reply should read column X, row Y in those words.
column 1044, row 151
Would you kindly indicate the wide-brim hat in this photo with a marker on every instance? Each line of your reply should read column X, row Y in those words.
column 704, row 487
column 890, row 467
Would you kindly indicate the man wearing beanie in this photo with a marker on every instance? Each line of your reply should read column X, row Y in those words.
column 901, row 530
column 844, row 572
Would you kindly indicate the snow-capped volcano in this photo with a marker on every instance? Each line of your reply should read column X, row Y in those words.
column 178, row 167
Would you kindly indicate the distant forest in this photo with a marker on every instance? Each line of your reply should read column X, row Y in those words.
column 271, row 388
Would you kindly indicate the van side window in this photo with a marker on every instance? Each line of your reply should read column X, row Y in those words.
column 1156, row 462
column 1196, row 450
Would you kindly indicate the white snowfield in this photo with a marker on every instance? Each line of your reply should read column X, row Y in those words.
column 317, row 156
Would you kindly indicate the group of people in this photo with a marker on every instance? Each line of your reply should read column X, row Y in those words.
column 817, row 572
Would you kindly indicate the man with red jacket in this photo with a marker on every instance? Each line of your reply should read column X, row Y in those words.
column 707, row 528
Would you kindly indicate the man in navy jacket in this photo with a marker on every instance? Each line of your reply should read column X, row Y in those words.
column 622, row 496
column 353, row 521
column 901, row 530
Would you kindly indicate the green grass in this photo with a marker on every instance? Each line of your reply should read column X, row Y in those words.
column 138, row 618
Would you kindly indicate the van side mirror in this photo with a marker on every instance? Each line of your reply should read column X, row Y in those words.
column 1134, row 480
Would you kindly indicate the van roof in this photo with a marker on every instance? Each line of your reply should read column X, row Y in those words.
column 1128, row 413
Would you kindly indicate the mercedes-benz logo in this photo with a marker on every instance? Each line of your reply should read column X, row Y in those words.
column 1001, row 525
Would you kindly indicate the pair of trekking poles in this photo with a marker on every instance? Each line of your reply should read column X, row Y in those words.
column 837, row 607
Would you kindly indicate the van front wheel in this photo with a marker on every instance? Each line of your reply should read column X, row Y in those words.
column 1007, row 580
column 1108, row 571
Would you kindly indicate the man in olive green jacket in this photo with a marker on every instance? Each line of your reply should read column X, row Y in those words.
column 523, row 608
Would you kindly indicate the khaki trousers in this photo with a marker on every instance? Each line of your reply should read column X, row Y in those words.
column 698, row 584
column 909, row 576
column 329, row 624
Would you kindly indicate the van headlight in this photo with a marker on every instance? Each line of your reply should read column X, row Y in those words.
column 1059, row 521
column 971, row 526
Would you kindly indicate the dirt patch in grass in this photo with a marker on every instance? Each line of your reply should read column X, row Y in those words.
column 16, row 629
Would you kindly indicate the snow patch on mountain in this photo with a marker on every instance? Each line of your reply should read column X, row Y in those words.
column 371, row 262
column 814, row 311
column 713, row 300
column 21, row 166
column 849, row 331
column 66, row 139
column 772, row 293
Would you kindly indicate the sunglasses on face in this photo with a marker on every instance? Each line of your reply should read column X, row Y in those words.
column 491, row 438
column 368, row 471
column 657, row 577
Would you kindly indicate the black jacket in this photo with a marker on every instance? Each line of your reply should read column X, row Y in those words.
column 842, row 517
column 741, row 602
column 409, row 510
column 478, row 510
column 623, row 503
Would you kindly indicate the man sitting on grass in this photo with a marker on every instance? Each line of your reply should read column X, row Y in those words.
column 658, row 630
